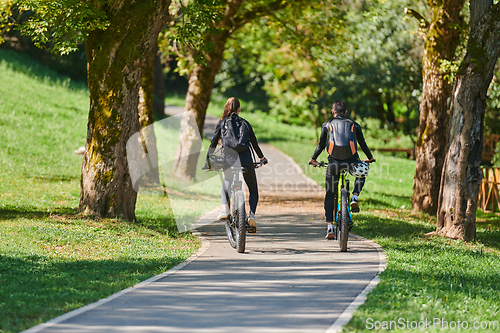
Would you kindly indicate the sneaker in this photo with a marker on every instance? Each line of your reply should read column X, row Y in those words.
column 251, row 225
column 354, row 206
column 330, row 233
column 224, row 213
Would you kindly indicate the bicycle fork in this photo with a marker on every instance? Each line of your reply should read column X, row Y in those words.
column 339, row 196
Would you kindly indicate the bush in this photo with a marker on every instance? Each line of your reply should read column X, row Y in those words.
column 496, row 158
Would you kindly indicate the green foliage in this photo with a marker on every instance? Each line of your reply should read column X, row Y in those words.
column 197, row 24
column 492, row 113
column 62, row 25
column 496, row 158
column 6, row 20
column 189, row 36
column 364, row 53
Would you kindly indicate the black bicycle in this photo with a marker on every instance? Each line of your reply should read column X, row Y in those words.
column 236, row 223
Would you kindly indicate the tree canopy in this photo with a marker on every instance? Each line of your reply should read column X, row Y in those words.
column 364, row 53
column 61, row 25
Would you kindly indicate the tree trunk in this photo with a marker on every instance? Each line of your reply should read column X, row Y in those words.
column 201, row 82
column 117, row 59
column 461, row 177
column 159, row 89
column 441, row 41
column 147, row 118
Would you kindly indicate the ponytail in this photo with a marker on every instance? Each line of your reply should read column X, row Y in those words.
column 232, row 105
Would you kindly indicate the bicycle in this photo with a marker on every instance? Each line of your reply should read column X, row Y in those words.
column 236, row 222
column 342, row 213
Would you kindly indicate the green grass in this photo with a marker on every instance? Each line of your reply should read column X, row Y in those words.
column 428, row 278
column 52, row 260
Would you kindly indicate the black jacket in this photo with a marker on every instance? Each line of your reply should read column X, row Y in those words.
column 343, row 132
column 246, row 156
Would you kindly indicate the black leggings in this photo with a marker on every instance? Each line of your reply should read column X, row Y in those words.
column 250, row 180
column 332, row 183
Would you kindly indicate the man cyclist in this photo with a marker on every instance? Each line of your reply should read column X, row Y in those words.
column 340, row 137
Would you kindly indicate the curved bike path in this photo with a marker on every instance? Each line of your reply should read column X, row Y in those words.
column 290, row 279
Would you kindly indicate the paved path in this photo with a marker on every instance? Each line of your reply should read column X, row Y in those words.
column 290, row 279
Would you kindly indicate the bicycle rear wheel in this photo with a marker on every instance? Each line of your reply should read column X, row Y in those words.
column 343, row 228
column 231, row 230
column 241, row 222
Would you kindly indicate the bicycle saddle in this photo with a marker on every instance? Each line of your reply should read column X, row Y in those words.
column 242, row 169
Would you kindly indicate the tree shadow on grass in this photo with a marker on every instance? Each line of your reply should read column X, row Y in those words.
column 490, row 238
column 375, row 227
column 376, row 203
column 36, row 288
column 54, row 178
column 34, row 213
column 162, row 224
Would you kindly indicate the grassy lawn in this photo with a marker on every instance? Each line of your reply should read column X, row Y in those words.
column 52, row 260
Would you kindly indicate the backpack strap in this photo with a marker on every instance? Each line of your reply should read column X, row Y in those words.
column 331, row 145
column 353, row 146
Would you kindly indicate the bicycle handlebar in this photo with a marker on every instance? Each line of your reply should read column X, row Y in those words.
column 255, row 164
column 322, row 164
column 319, row 165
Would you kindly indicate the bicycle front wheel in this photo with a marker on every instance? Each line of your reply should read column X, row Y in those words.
column 241, row 222
column 343, row 228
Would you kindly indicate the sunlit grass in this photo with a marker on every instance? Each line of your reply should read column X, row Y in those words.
column 428, row 278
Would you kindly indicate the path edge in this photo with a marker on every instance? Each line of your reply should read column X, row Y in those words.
column 205, row 244
column 346, row 316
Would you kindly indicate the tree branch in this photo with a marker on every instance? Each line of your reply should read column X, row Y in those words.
column 423, row 23
column 261, row 10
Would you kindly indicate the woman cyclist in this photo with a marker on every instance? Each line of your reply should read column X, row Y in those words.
column 243, row 158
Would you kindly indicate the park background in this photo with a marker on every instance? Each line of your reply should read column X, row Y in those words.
column 54, row 260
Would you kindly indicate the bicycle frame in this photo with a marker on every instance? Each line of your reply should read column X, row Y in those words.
column 236, row 225
column 343, row 184
column 342, row 211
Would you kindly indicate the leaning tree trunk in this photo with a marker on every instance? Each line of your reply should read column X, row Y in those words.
column 462, row 176
column 441, row 41
column 117, row 58
column 201, row 82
